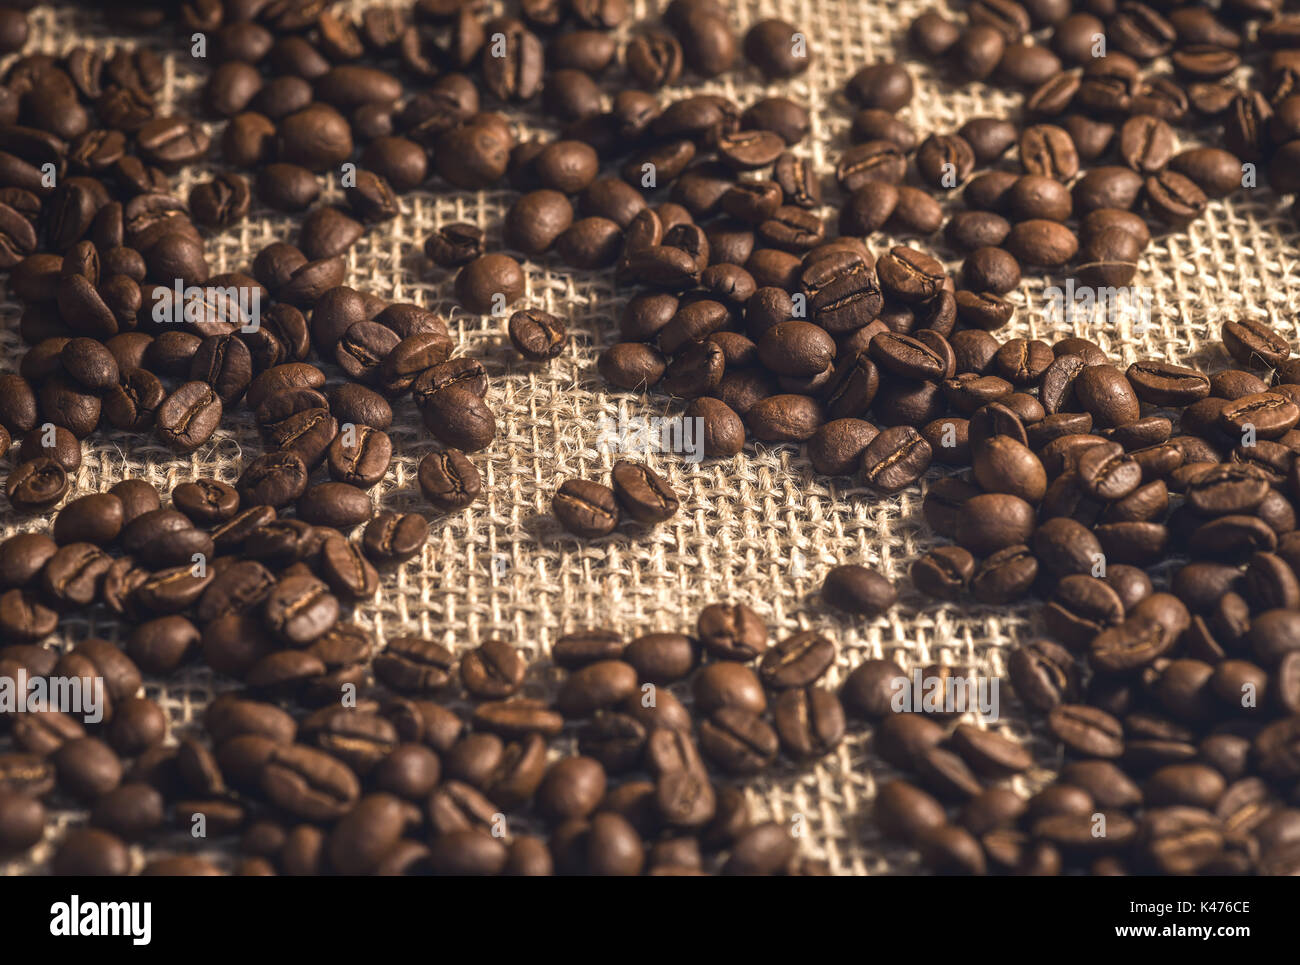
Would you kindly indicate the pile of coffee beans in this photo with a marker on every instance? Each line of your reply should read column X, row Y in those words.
column 444, row 767
column 1175, row 693
column 768, row 325
column 130, row 331
column 635, row 492
column 1178, row 709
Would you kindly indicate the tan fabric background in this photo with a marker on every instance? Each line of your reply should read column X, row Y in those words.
column 761, row 528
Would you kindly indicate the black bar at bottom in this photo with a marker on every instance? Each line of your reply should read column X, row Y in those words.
column 347, row 915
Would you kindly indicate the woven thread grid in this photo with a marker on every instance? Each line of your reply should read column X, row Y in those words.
column 761, row 528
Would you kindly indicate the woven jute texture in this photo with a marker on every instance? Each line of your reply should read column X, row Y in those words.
column 761, row 528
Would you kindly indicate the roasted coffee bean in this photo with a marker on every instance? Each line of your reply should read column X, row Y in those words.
column 22, row 822
column 93, row 852
column 983, row 310
column 411, row 664
column 586, row 508
column 1104, row 392
column 492, row 671
column 73, row 574
column 1213, row 170
column 894, row 459
column 463, row 372
column 449, row 480
column 1044, row 675
column 988, row 137
column 944, row 572
column 582, row 647
column 905, row 811
column 309, row 783
column 360, row 406
column 945, row 160
column 1048, row 150
column 990, row 754
column 857, row 589
column 26, row 774
column 795, row 348
column 1270, row 414
column 1173, row 198
column 97, row 518
column 360, row 739
column 590, row 243
column 797, row 661
column 347, row 571
column 990, row 269
column 221, row 202
column 300, row 609
column 774, row 47
column 642, row 493
column 87, row 768
column 1106, row 187
column 1086, row 730
column 454, row 245
column 1005, row 576
column 187, row 418
column 371, row 198
column 732, row 632
column 738, row 741
column 909, row 357
column 595, row 686
column 632, row 365
column 1146, row 143
column 797, row 180
column 489, row 283
column 537, row 335
column 572, row 788
column 459, row 417
column 206, row 501
column 910, row 275
column 654, row 59
column 363, row 349
column 993, row 521
column 359, row 456
column 390, row 538
column 22, row 556
column 870, row 161
column 784, row 418
column 836, row 448
column 870, row 688
column 274, row 479
column 68, row 405
column 1107, row 472
column 843, row 291
column 885, row 86
column 615, row 740
column 752, row 201
column 287, row 187
column 809, row 722
column 1254, row 344
column 517, row 75
column 1042, row 242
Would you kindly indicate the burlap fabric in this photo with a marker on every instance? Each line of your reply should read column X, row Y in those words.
column 761, row 528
